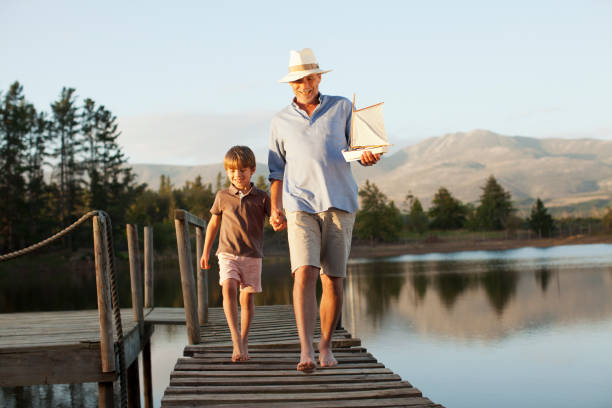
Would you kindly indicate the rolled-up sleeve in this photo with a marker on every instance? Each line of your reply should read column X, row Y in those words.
column 276, row 155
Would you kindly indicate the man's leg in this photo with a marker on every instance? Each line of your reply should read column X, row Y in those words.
column 305, row 308
column 230, row 308
column 247, row 306
column 331, row 306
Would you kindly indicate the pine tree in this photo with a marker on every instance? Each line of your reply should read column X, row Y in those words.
column 446, row 212
column 495, row 206
column 17, row 118
column 417, row 220
column 37, row 191
column 219, row 183
column 65, row 132
column 540, row 221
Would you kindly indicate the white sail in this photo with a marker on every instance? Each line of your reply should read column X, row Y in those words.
column 368, row 127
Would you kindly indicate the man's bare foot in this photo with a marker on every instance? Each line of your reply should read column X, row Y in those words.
column 237, row 354
column 245, row 353
column 326, row 357
column 307, row 363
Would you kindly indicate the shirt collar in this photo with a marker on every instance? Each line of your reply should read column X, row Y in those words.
column 234, row 191
column 297, row 107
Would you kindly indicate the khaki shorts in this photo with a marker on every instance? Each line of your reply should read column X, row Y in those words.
column 322, row 240
column 246, row 270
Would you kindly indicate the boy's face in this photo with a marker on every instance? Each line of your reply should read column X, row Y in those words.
column 240, row 178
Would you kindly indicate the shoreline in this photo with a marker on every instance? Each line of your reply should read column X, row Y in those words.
column 457, row 245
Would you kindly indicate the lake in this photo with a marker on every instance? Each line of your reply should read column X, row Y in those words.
column 530, row 327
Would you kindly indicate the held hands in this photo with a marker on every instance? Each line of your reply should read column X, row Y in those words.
column 369, row 159
column 278, row 220
column 204, row 261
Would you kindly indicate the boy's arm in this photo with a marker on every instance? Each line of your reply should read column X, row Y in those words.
column 277, row 217
column 211, row 233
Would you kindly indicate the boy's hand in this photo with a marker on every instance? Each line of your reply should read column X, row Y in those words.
column 204, row 261
column 278, row 220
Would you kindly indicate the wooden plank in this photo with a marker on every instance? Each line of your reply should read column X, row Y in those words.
column 297, row 388
column 53, row 366
column 190, row 218
column 288, row 373
column 326, row 397
column 193, row 378
column 257, row 359
column 267, row 366
column 364, row 403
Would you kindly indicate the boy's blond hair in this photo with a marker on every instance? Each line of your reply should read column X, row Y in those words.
column 239, row 157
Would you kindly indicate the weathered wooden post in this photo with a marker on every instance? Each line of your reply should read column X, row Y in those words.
column 202, row 278
column 148, row 266
column 148, row 302
column 135, row 276
column 181, row 224
column 107, row 350
column 136, row 286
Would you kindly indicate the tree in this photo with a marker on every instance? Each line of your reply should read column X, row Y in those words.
column 197, row 198
column 416, row 219
column 539, row 220
column 65, row 132
column 261, row 183
column 446, row 211
column 495, row 206
column 377, row 219
column 38, row 193
column 607, row 219
column 17, row 118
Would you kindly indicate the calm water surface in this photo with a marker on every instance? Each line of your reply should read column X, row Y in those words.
column 522, row 328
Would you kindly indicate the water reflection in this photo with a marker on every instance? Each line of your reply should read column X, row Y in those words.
column 474, row 296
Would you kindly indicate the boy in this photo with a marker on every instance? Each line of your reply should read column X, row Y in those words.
column 243, row 208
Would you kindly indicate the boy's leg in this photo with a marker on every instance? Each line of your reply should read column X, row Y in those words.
column 331, row 304
column 230, row 307
column 305, row 308
column 247, row 311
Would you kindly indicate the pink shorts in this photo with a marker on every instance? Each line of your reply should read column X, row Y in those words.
column 246, row 270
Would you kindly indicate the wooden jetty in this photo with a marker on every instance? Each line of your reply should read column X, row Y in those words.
column 100, row 345
column 205, row 375
column 60, row 347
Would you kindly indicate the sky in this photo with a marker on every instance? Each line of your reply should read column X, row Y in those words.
column 189, row 79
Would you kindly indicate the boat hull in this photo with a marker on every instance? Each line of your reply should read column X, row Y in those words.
column 352, row 155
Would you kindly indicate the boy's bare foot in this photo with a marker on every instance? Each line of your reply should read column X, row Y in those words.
column 307, row 363
column 236, row 354
column 245, row 353
column 326, row 357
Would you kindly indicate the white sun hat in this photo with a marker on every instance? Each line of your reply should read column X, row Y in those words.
column 301, row 64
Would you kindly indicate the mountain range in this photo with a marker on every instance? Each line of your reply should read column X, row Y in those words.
column 565, row 173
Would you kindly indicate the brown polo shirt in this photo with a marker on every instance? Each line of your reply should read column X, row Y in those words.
column 242, row 220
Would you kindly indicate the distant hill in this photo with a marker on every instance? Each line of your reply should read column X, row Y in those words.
column 565, row 173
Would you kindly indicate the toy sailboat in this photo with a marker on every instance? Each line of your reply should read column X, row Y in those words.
column 367, row 132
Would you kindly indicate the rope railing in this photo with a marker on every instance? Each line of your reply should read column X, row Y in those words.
column 108, row 237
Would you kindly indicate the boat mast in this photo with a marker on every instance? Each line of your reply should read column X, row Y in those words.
column 352, row 120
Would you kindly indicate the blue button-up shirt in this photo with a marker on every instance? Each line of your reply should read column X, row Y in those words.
column 306, row 154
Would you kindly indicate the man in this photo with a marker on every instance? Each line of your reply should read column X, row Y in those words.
column 313, row 183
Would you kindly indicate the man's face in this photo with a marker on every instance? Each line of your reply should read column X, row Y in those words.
column 306, row 89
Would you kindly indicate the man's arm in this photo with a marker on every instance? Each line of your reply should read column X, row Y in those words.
column 211, row 233
column 277, row 217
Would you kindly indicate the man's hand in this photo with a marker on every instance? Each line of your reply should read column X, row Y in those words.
column 368, row 158
column 278, row 220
